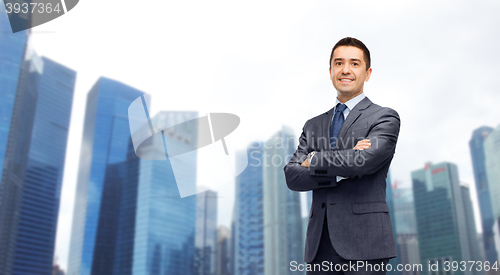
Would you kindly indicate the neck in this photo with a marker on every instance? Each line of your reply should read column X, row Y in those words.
column 343, row 98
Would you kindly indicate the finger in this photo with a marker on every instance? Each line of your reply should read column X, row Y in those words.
column 363, row 142
column 363, row 145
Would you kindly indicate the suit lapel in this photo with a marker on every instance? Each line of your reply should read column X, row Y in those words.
column 353, row 115
column 326, row 123
column 351, row 118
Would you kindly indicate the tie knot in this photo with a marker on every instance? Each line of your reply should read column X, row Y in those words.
column 340, row 107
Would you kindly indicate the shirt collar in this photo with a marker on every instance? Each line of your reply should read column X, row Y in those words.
column 351, row 103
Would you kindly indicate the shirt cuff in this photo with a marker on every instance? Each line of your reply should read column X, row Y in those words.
column 339, row 178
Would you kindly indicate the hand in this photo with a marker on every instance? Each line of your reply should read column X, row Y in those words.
column 362, row 144
column 305, row 163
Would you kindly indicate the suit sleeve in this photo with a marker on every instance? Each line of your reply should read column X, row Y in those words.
column 357, row 163
column 297, row 177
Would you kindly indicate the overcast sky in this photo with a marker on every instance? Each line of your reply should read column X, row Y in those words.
column 434, row 62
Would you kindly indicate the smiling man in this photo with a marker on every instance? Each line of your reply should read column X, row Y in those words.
column 344, row 156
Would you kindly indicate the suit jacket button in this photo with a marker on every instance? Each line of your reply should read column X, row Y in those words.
column 323, row 205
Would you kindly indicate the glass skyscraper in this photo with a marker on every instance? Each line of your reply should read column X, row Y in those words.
column 492, row 165
column 476, row 145
column 44, row 171
column 249, row 215
column 15, row 127
column 165, row 222
column 205, row 262
column 406, row 229
column 35, row 109
column 475, row 253
column 129, row 217
column 12, row 52
column 223, row 251
column 441, row 216
column 392, row 212
column 105, row 146
column 283, row 238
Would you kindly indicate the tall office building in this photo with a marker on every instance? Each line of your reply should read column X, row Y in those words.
column 283, row 238
column 117, row 222
column 105, row 146
column 441, row 216
column 223, row 251
column 205, row 262
column 37, row 94
column 141, row 226
column 12, row 56
column 475, row 253
column 232, row 245
column 164, row 237
column 15, row 129
column 492, row 165
column 476, row 145
column 406, row 225
column 392, row 212
column 405, row 211
column 44, row 171
column 248, row 229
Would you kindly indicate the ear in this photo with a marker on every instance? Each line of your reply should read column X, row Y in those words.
column 330, row 73
column 368, row 74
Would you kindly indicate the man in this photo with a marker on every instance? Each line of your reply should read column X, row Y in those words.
column 344, row 156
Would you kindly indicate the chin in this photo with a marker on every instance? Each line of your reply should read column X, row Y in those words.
column 345, row 91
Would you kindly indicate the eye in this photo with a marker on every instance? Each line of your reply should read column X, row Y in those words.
column 338, row 63
column 355, row 64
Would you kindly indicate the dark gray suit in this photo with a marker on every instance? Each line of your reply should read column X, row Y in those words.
column 358, row 217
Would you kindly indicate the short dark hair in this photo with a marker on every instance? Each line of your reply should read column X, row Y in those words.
column 350, row 41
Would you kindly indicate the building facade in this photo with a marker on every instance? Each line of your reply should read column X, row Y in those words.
column 14, row 70
column 164, row 241
column 205, row 262
column 223, row 251
column 248, row 230
column 39, row 209
column 105, row 146
column 475, row 252
column 492, row 165
column 283, row 238
column 35, row 109
column 407, row 238
column 440, row 215
column 476, row 146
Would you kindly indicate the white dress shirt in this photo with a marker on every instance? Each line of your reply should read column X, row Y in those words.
column 351, row 103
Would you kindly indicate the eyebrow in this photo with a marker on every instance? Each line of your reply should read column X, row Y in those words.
column 352, row 59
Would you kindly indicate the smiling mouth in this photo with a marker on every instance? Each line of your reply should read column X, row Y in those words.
column 346, row 80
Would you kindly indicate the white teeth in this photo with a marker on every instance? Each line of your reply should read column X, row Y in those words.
column 346, row 80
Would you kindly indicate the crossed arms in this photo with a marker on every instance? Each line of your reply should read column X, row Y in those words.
column 346, row 163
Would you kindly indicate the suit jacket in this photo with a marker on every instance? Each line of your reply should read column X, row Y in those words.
column 358, row 217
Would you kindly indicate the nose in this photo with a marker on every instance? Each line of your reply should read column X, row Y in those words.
column 346, row 69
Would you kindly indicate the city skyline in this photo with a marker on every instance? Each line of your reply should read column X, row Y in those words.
column 169, row 117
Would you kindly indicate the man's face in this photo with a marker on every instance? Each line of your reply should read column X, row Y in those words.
column 348, row 71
